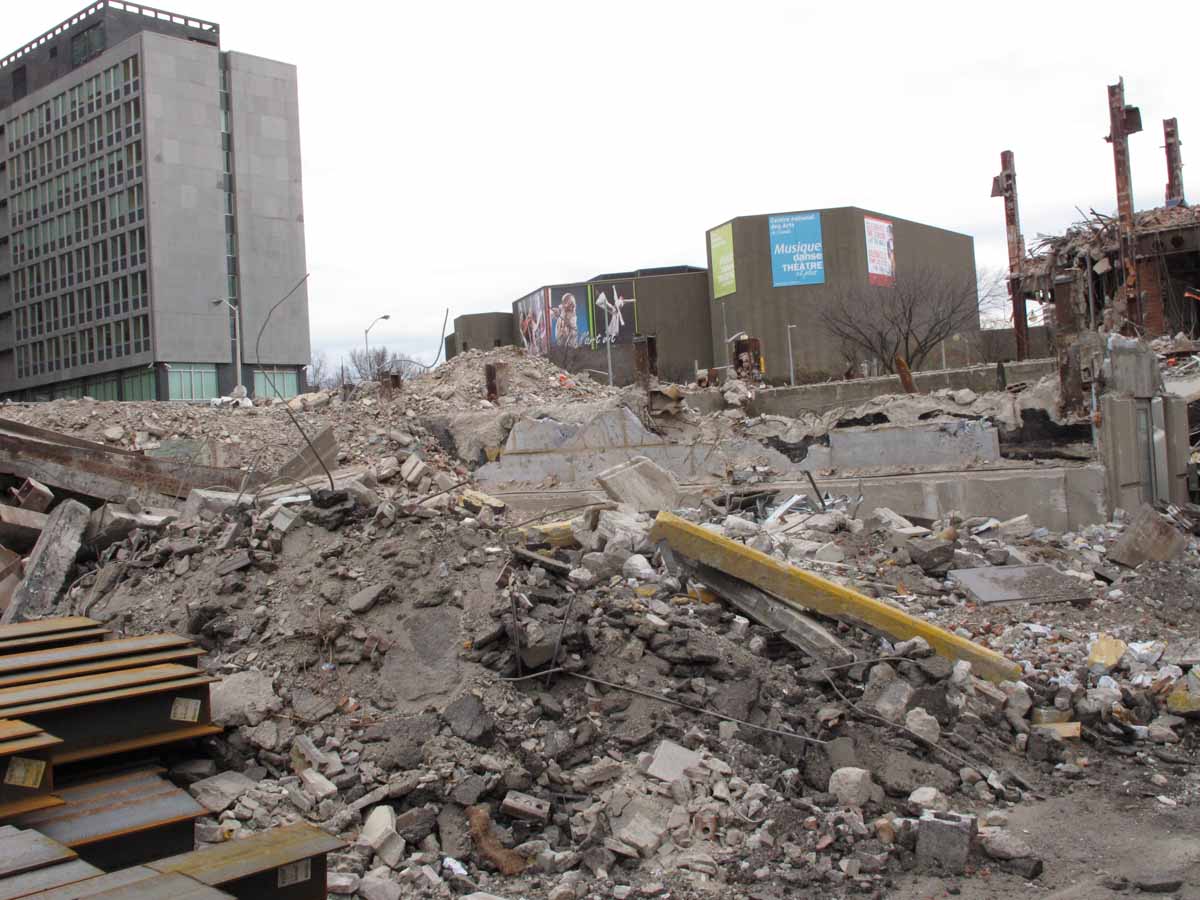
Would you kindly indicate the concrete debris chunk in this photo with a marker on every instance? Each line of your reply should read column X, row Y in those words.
column 641, row 484
column 51, row 566
column 671, row 761
column 523, row 806
column 218, row 793
column 944, row 841
column 1150, row 536
column 244, row 698
column 854, row 787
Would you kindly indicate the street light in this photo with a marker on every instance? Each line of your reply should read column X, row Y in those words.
column 791, row 358
column 367, row 346
column 237, row 344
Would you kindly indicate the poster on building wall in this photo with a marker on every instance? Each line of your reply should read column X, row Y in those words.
column 797, row 254
column 532, row 323
column 720, row 246
column 614, row 312
column 570, row 324
column 881, row 251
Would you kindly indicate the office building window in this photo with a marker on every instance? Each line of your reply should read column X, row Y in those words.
column 285, row 381
column 191, row 381
column 138, row 384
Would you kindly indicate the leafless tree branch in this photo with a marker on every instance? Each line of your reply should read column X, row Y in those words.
column 909, row 319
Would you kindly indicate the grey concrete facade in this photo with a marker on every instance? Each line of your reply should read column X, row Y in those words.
column 483, row 331
column 672, row 307
column 764, row 311
column 186, row 174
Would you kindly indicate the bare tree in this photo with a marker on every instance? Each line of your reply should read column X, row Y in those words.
column 320, row 374
column 380, row 360
column 991, row 284
column 368, row 364
column 909, row 319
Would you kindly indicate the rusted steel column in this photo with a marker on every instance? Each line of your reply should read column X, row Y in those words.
column 1123, row 121
column 1005, row 185
column 1174, row 162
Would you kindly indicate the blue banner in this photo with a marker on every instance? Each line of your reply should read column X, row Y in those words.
column 797, row 256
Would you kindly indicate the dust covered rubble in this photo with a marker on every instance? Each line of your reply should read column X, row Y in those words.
column 584, row 720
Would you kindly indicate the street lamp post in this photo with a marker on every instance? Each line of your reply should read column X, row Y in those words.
column 791, row 357
column 237, row 341
column 366, row 345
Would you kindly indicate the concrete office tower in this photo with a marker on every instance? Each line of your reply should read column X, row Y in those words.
column 150, row 197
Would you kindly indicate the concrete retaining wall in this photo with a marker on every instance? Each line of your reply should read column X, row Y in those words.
column 789, row 401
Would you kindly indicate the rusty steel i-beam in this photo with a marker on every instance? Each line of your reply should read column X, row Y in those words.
column 1125, row 120
column 1005, row 185
column 1171, row 144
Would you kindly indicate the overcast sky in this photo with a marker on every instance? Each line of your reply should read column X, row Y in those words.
column 458, row 155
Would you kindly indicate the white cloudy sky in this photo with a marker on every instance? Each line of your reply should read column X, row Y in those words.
column 457, row 155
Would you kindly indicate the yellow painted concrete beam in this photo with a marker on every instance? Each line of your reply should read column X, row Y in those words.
column 804, row 590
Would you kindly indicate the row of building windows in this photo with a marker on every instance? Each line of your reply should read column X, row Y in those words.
column 88, row 346
column 93, row 179
column 130, row 384
column 81, row 225
column 119, row 253
column 118, row 297
column 113, row 128
column 112, row 86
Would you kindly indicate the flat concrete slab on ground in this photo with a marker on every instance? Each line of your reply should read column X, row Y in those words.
column 1019, row 584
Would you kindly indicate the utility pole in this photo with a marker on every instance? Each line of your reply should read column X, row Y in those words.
column 608, row 339
column 791, row 357
column 725, row 333
column 367, row 347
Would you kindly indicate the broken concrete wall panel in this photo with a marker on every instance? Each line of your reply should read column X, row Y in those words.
column 109, row 474
column 1179, row 449
column 943, row 443
column 51, row 564
column 1150, row 536
column 308, row 460
column 808, row 591
column 1125, row 472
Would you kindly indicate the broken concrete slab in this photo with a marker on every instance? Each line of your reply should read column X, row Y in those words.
column 933, row 444
column 806, row 590
column 801, row 631
column 52, row 563
column 244, row 698
column 641, row 484
column 1015, row 584
column 1151, row 536
column 218, row 793
column 112, row 522
column 671, row 761
column 320, row 456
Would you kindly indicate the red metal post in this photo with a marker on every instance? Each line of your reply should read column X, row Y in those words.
column 1174, row 162
column 1005, row 185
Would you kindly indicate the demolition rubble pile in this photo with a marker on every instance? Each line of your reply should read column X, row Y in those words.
column 1006, row 409
column 525, row 381
column 620, row 705
column 259, row 437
